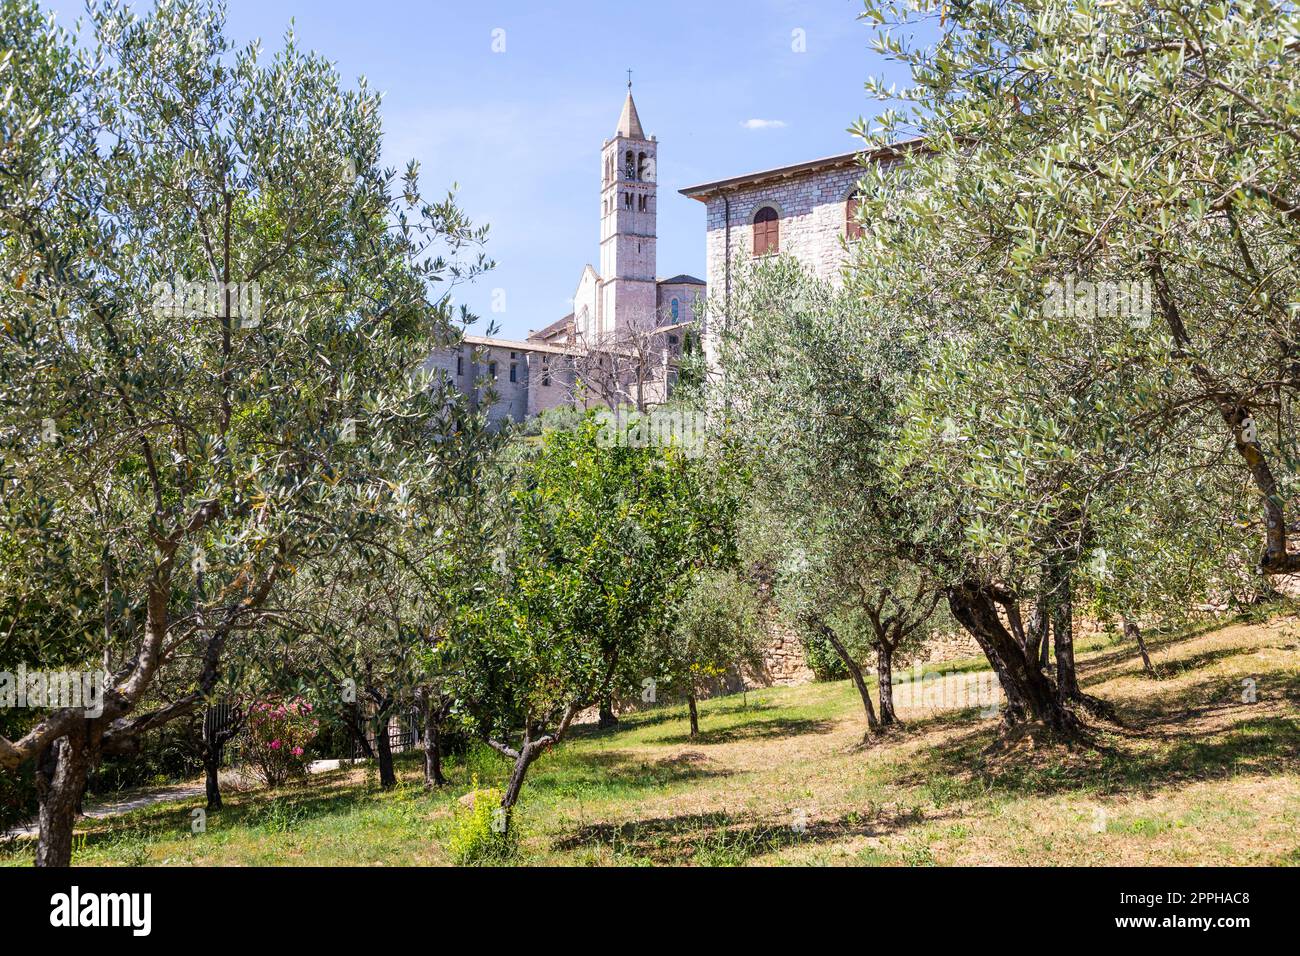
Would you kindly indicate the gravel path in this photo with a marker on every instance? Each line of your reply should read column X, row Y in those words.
column 113, row 808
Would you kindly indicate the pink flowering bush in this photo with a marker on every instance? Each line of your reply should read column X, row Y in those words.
column 279, row 732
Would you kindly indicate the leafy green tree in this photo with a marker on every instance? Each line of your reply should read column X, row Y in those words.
column 214, row 302
column 609, row 533
column 1154, row 143
column 714, row 633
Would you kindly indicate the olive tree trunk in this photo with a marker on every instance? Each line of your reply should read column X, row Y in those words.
column 1133, row 632
column 885, row 680
column 384, row 752
column 433, row 743
column 61, row 774
column 607, row 716
column 212, row 782
column 694, row 712
column 531, row 749
column 1030, row 694
column 855, row 671
column 1067, row 680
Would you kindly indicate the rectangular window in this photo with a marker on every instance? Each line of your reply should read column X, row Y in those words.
column 546, row 375
column 460, row 365
column 513, row 374
column 492, row 369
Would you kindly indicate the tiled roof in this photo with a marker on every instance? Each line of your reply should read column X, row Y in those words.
column 486, row 342
column 704, row 190
column 682, row 279
column 559, row 325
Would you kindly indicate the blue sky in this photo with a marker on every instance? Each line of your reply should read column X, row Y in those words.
column 520, row 130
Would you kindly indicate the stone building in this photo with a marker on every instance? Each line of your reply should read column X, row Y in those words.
column 627, row 327
column 807, row 210
column 527, row 376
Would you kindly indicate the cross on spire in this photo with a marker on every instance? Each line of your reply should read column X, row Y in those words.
column 629, row 79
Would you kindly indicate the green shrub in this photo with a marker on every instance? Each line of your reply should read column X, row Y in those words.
column 821, row 657
column 475, row 831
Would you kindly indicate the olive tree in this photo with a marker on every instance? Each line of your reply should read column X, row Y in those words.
column 714, row 634
column 1093, row 145
column 214, row 301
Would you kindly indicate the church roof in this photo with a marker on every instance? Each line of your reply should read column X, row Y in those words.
column 555, row 328
column 681, row 279
column 703, row 191
column 629, row 124
column 518, row 346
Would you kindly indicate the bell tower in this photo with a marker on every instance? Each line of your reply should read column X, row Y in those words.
column 629, row 167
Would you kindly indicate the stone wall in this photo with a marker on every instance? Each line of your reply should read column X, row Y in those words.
column 812, row 221
column 784, row 661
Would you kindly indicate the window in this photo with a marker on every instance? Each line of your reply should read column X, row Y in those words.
column 852, row 228
column 640, row 166
column 546, row 374
column 492, row 369
column 460, row 365
column 629, row 166
column 767, row 232
column 672, row 340
column 640, row 203
column 627, row 200
column 514, row 373
column 677, row 313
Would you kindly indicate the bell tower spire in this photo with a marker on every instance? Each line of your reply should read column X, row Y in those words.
column 629, row 188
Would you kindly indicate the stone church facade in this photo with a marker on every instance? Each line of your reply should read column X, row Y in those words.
column 620, row 343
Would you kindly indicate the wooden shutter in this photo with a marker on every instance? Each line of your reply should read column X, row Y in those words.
column 852, row 228
column 767, row 227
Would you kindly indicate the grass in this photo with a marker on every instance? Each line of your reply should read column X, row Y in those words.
column 1196, row 774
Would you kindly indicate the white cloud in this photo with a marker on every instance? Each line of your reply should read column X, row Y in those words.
column 762, row 124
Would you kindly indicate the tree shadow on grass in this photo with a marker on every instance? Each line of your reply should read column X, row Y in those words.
column 671, row 713
column 725, row 839
column 1153, row 753
column 619, row 770
column 767, row 728
column 1099, row 668
column 1213, row 696
column 273, row 811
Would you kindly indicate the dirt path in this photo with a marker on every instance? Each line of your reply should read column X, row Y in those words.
column 125, row 805
column 136, row 801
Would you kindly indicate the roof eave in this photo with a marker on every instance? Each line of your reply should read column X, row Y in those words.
column 704, row 191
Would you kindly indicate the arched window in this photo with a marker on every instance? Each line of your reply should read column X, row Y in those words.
column 767, row 232
column 629, row 165
column 852, row 228
column 640, row 166
column 677, row 310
